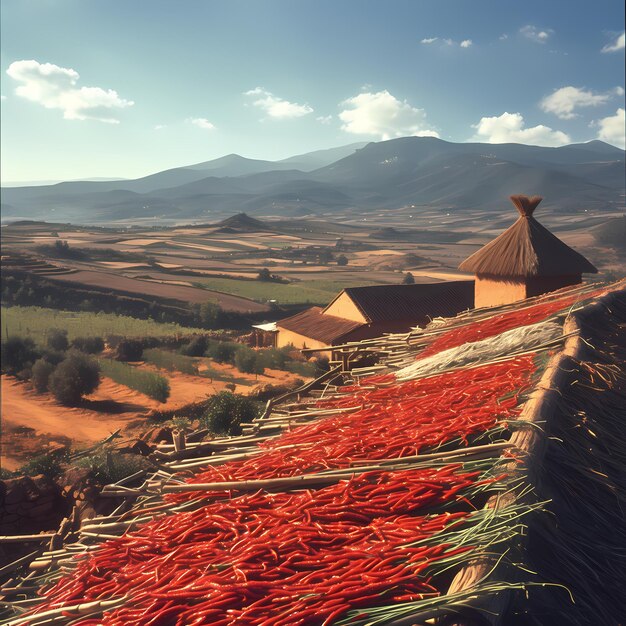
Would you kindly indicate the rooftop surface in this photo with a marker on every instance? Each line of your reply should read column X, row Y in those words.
column 388, row 303
column 527, row 249
column 480, row 473
column 315, row 324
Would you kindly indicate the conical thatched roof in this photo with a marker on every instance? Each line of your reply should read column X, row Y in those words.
column 527, row 249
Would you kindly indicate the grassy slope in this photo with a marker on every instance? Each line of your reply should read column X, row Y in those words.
column 305, row 292
column 34, row 321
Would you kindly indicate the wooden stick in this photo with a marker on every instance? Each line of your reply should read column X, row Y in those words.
column 26, row 538
column 11, row 567
column 75, row 610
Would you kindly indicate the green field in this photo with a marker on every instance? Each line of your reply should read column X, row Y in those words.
column 171, row 361
column 304, row 292
column 34, row 322
column 153, row 385
column 174, row 362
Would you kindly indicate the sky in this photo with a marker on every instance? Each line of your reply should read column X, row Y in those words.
column 111, row 88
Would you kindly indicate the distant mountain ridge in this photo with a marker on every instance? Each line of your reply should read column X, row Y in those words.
column 420, row 171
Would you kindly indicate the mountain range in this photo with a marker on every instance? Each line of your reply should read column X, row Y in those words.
column 408, row 171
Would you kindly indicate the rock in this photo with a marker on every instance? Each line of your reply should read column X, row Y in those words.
column 75, row 479
column 138, row 447
column 30, row 505
column 158, row 434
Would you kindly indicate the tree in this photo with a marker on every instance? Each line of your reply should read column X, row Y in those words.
column 74, row 377
column 342, row 260
column 196, row 347
column 222, row 352
column 248, row 362
column 408, row 279
column 325, row 256
column 210, row 315
column 62, row 247
column 57, row 339
column 226, row 411
column 89, row 345
column 41, row 371
column 18, row 354
column 129, row 350
column 264, row 274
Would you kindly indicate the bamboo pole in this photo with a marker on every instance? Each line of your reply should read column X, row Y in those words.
column 532, row 442
column 26, row 538
column 69, row 611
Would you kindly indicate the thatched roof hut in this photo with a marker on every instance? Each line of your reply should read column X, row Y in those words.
column 525, row 260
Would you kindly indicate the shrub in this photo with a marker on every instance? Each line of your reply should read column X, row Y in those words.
column 274, row 358
column 41, row 371
column 170, row 361
column 196, row 347
column 248, row 362
column 109, row 467
column 342, row 260
column 89, row 345
column 226, row 411
column 129, row 350
column 57, row 339
column 222, row 352
column 408, row 279
column 74, row 377
column 53, row 357
column 49, row 464
column 264, row 274
column 304, row 368
column 158, row 387
column 18, row 354
column 113, row 341
column 322, row 363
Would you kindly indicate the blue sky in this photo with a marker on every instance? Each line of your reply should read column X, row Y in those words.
column 112, row 88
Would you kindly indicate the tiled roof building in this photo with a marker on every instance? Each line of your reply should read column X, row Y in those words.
column 362, row 312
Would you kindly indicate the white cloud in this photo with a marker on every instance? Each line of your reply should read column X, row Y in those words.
column 56, row 87
column 382, row 115
column 612, row 129
column 276, row 107
column 503, row 37
column 3, row 97
column 324, row 119
column 617, row 45
column 509, row 128
column 466, row 43
column 535, row 34
column 202, row 122
column 160, row 126
column 562, row 102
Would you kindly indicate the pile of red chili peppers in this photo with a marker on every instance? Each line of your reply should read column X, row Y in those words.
column 498, row 324
column 308, row 557
column 261, row 559
column 395, row 421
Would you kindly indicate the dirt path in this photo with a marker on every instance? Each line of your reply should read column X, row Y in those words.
column 33, row 423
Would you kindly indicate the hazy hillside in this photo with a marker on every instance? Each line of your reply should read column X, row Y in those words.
column 388, row 174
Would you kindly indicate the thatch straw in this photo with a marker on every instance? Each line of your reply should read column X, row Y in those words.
column 526, row 249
